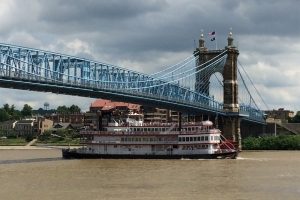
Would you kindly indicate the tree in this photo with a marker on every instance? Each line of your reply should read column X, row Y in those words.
column 26, row 111
column 62, row 109
column 1, row 132
column 12, row 134
column 73, row 134
column 29, row 138
column 17, row 115
column 74, row 108
column 62, row 133
column 6, row 107
column 12, row 110
column 4, row 116
column 45, row 135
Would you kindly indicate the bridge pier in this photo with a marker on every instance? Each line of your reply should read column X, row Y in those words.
column 232, row 120
column 232, row 129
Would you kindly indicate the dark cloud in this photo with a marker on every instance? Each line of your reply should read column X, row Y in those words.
column 148, row 36
column 77, row 11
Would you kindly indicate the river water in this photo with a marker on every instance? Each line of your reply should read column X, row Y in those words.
column 43, row 174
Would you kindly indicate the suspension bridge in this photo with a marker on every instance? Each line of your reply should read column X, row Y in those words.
column 204, row 83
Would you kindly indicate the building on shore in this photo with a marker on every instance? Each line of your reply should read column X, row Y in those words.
column 35, row 126
column 281, row 114
column 120, row 109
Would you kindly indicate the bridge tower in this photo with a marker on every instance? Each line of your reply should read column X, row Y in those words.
column 231, row 122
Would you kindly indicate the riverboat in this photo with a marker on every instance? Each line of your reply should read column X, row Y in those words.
column 135, row 139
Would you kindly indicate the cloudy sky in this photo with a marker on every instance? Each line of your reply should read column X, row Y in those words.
column 148, row 36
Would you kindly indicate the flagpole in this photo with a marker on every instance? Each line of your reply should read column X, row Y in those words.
column 216, row 40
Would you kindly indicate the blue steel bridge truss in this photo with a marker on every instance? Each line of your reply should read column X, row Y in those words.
column 172, row 88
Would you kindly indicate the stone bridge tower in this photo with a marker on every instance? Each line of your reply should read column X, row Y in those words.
column 230, row 122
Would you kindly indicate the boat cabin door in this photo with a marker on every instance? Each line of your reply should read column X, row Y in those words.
column 105, row 149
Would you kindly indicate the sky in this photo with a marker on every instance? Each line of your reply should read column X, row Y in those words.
column 149, row 36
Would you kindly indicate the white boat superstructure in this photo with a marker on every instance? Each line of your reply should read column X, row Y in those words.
column 135, row 139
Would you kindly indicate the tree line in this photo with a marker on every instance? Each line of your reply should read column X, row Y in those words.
column 9, row 112
column 280, row 142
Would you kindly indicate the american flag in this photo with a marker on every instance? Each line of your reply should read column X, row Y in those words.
column 212, row 33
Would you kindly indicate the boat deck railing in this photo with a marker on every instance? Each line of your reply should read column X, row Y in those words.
column 211, row 131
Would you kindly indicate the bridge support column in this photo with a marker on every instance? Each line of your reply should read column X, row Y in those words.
column 232, row 129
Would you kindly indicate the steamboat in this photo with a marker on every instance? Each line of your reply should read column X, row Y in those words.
column 135, row 139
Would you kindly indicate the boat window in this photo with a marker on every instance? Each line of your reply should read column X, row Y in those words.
column 183, row 139
column 202, row 138
column 216, row 137
column 136, row 139
column 191, row 139
column 195, row 138
column 187, row 139
column 179, row 139
column 206, row 138
column 211, row 137
column 122, row 139
column 198, row 139
column 115, row 146
column 129, row 139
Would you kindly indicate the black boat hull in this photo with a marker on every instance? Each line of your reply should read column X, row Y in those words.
column 66, row 153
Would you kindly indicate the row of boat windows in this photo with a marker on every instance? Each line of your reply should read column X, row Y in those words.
column 139, row 139
column 162, row 129
column 199, row 138
column 181, row 139
column 205, row 146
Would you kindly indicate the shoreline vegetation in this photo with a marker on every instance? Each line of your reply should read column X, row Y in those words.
column 280, row 142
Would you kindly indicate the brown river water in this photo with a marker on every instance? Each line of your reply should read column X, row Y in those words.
column 43, row 174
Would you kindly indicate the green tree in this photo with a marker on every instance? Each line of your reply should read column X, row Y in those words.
column 17, row 115
column 45, row 135
column 29, row 138
column 73, row 134
column 62, row 133
column 26, row 111
column 6, row 107
column 62, row 109
column 12, row 135
column 4, row 116
column 74, row 108
column 1, row 132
